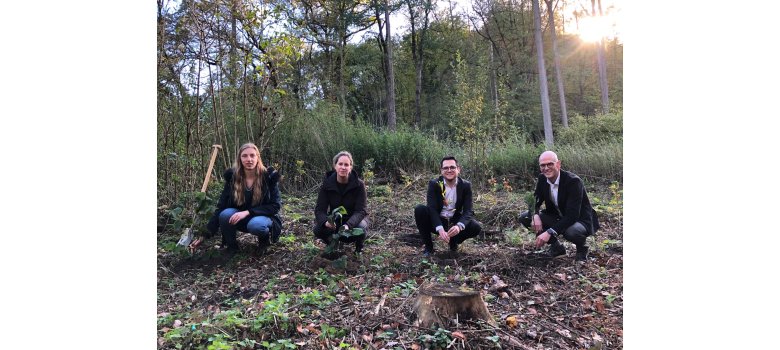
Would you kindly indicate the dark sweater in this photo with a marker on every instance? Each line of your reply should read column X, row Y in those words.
column 352, row 198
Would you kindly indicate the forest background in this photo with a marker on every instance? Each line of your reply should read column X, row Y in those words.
column 294, row 78
column 118, row 126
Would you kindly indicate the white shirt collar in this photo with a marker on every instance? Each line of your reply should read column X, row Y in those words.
column 557, row 180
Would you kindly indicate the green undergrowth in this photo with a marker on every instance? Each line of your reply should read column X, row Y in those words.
column 292, row 298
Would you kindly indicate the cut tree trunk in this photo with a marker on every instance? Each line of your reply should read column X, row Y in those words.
column 446, row 305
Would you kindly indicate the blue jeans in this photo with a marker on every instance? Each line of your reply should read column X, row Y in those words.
column 259, row 226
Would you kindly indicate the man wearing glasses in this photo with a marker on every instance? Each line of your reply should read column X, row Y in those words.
column 448, row 211
column 567, row 212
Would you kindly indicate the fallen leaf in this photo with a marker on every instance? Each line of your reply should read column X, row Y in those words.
column 561, row 276
column 511, row 321
column 532, row 311
column 385, row 327
column 313, row 329
column 512, row 340
column 504, row 295
column 587, row 304
column 564, row 332
column 416, row 347
column 302, row 330
column 459, row 335
column 368, row 337
column 538, row 288
column 177, row 324
column 599, row 304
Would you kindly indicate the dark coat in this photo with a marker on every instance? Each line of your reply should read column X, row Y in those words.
column 573, row 204
column 435, row 201
column 269, row 206
column 353, row 199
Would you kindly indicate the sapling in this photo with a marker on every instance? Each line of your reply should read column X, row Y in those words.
column 335, row 218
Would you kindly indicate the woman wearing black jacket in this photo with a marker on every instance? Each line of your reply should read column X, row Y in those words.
column 250, row 202
column 341, row 187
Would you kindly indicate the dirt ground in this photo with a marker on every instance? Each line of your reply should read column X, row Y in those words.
column 292, row 297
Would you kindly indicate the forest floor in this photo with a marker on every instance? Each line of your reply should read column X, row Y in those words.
column 292, row 297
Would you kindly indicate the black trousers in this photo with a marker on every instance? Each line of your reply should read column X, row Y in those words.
column 324, row 233
column 422, row 219
column 576, row 233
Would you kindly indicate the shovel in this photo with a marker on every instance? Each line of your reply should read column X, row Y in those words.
column 189, row 233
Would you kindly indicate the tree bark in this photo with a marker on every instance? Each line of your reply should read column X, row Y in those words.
column 443, row 305
column 390, row 72
column 548, row 134
column 557, row 63
column 602, row 65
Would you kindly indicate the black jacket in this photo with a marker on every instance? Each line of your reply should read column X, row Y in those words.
column 573, row 202
column 269, row 206
column 353, row 199
column 435, row 201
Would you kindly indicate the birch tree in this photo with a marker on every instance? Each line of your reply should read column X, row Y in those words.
column 557, row 64
column 548, row 134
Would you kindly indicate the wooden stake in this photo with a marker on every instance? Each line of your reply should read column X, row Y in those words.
column 214, row 151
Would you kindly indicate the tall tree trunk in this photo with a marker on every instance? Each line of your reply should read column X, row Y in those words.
column 418, row 39
column 493, row 80
column 342, row 88
column 390, row 72
column 548, row 134
column 602, row 64
column 557, row 63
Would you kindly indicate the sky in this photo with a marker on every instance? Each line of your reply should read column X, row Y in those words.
column 612, row 10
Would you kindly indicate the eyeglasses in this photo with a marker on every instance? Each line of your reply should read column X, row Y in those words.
column 546, row 165
column 451, row 167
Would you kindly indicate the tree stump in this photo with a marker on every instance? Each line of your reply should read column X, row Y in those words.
column 445, row 305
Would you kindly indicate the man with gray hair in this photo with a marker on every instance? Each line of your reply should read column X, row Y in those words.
column 567, row 212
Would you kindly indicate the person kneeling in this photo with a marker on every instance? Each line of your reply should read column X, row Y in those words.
column 448, row 209
column 567, row 209
column 341, row 187
column 250, row 202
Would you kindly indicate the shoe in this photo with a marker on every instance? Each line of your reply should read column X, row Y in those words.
column 427, row 252
column 556, row 250
column 228, row 251
column 582, row 254
column 263, row 244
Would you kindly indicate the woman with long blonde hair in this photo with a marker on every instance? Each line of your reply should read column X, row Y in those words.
column 250, row 202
